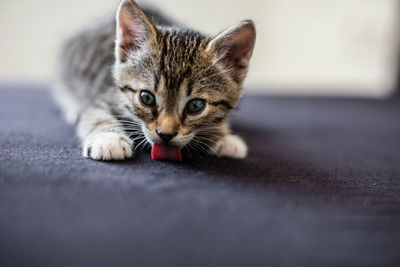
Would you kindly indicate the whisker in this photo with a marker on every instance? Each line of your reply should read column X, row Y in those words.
column 195, row 149
column 202, row 146
column 137, row 146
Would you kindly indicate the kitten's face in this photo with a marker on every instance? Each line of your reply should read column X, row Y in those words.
column 187, row 97
column 180, row 85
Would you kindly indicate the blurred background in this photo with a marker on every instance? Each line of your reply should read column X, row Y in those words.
column 306, row 47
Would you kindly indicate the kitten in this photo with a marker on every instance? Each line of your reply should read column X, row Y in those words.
column 146, row 80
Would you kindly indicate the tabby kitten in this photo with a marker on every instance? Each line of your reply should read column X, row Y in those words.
column 145, row 80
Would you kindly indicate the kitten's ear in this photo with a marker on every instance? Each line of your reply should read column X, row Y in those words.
column 234, row 47
column 134, row 28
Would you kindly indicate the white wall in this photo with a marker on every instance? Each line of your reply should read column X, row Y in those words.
column 334, row 47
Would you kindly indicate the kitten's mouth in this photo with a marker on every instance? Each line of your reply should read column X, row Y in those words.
column 163, row 151
column 166, row 152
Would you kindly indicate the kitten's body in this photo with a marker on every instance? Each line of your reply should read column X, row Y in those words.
column 106, row 69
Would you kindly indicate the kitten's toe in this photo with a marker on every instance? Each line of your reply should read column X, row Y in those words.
column 231, row 146
column 107, row 146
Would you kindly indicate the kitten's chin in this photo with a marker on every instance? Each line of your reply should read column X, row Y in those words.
column 181, row 142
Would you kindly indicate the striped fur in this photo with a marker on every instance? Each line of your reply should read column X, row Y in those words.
column 105, row 68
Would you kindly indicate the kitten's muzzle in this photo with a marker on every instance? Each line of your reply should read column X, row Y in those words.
column 166, row 137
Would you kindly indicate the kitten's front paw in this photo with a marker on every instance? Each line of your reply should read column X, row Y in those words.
column 231, row 146
column 107, row 146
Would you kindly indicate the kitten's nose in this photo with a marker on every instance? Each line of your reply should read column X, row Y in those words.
column 166, row 137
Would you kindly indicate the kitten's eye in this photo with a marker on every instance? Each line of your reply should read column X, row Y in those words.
column 195, row 106
column 147, row 98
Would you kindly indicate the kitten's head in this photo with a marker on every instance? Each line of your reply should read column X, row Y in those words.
column 180, row 84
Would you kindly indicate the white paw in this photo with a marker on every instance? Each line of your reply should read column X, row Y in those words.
column 231, row 146
column 107, row 146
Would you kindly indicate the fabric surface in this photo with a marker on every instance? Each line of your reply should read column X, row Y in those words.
column 321, row 187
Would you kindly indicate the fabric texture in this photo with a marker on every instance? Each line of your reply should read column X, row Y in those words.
column 321, row 187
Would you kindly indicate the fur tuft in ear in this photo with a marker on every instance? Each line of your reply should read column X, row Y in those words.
column 134, row 28
column 234, row 47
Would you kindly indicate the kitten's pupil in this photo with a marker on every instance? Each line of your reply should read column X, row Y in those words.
column 147, row 98
column 195, row 106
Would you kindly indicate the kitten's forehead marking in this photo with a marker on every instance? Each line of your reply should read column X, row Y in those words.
column 160, row 86
column 128, row 77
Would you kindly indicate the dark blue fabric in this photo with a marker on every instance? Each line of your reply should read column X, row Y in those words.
column 321, row 187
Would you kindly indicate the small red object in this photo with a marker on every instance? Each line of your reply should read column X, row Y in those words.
column 166, row 152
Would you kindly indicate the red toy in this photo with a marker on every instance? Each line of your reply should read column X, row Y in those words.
column 166, row 152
